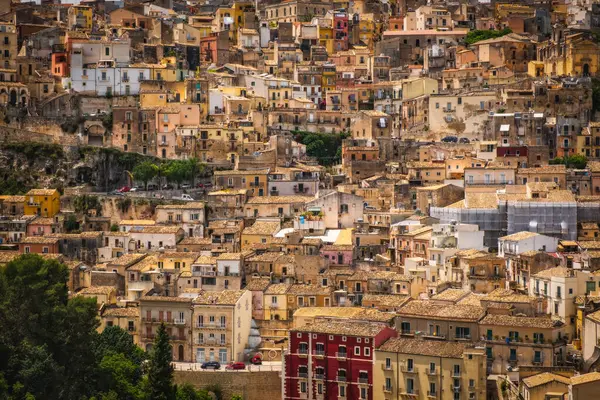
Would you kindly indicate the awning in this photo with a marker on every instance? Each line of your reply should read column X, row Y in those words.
column 504, row 128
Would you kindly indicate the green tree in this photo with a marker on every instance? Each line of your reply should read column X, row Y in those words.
column 160, row 370
column 187, row 392
column 71, row 224
column 122, row 375
column 145, row 172
column 45, row 343
column 196, row 167
column 578, row 161
column 116, row 340
column 478, row 35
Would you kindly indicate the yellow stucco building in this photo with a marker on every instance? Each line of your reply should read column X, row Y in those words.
column 42, row 202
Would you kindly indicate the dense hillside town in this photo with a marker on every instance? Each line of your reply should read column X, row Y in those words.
column 300, row 199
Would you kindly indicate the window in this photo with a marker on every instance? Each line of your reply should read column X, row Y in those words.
column 388, row 363
column 405, row 327
column 342, row 390
column 107, row 51
column 432, row 368
column 357, row 350
column 303, row 387
column 320, row 349
column 456, row 370
column 303, row 348
column 432, row 389
column 410, row 386
column 410, row 365
column 513, row 355
column 367, row 351
column 463, row 333
column 388, row 384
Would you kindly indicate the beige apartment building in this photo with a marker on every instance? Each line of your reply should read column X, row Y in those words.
column 517, row 341
column 407, row 368
column 176, row 314
column 221, row 325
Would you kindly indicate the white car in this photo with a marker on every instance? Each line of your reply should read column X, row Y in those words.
column 184, row 197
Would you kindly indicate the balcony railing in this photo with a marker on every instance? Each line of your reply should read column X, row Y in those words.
column 387, row 367
column 387, row 389
column 412, row 393
column 409, row 370
column 320, row 376
column 340, row 378
column 319, row 353
column 341, row 355
column 364, row 381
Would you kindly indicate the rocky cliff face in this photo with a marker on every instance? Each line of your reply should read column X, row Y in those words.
column 27, row 165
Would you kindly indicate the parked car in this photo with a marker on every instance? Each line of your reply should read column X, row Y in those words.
column 116, row 193
column 184, row 197
column 211, row 365
column 257, row 359
column 235, row 366
column 185, row 186
column 152, row 186
column 204, row 185
column 464, row 140
column 125, row 189
column 450, row 139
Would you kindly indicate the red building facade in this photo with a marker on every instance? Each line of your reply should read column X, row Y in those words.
column 333, row 359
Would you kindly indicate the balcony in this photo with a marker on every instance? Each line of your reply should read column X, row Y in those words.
column 302, row 374
column 431, row 372
column 387, row 367
column 319, row 353
column 413, row 393
column 363, row 381
column 387, row 389
column 211, row 325
column 449, row 110
column 163, row 144
column 455, row 388
column 340, row 378
column 341, row 355
column 431, row 394
column 178, row 321
column 303, row 353
column 407, row 370
column 320, row 377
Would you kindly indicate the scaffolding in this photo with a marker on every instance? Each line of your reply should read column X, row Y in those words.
column 558, row 219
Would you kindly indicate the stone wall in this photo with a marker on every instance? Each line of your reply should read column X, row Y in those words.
column 250, row 385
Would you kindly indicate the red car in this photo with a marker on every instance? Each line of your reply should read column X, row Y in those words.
column 257, row 359
column 125, row 189
column 236, row 365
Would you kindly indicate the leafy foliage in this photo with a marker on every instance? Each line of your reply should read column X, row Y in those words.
column 145, row 172
column 326, row 147
column 49, row 347
column 479, row 35
column 84, row 203
column 34, row 150
column 160, row 371
column 577, row 161
column 71, row 224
